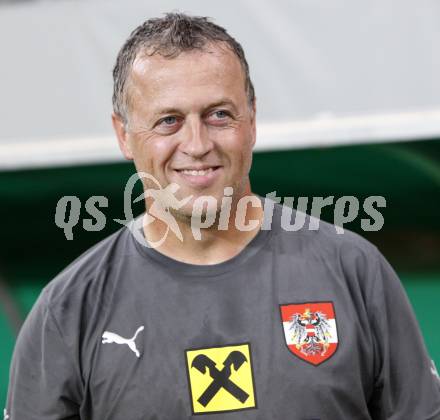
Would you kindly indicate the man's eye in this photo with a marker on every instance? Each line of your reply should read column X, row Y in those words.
column 221, row 114
column 168, row 125
column 168, row 120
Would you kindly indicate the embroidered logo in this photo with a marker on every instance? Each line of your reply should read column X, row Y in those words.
column 310, row 330
column 221, row 379
column 110, row 337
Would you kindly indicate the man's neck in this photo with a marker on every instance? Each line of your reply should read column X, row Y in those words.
column 214, row 245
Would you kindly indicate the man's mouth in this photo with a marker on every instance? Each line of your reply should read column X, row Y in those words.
column 195, row 172
column 201, row 177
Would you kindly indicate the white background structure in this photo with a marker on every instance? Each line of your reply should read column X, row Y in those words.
column 325, row 72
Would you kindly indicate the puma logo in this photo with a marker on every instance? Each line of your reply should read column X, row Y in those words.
column 110, row 337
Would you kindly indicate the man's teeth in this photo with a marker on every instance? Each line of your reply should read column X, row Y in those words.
column 196, row 173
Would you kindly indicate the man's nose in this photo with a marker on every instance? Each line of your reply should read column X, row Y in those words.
column 195, row 139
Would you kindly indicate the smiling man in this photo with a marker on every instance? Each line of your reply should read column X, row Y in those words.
column 189, row 119
column 240, row 323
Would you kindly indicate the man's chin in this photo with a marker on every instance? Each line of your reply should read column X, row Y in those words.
column 198, row 208
column 199, row 205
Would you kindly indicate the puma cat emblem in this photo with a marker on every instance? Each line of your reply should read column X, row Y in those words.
column 110, row 337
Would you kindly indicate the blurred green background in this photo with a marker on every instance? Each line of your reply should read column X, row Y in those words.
column 407, row 174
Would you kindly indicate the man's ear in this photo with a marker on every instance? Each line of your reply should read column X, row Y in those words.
column 122, row 135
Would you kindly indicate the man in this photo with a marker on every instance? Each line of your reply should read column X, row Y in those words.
column 244, row 321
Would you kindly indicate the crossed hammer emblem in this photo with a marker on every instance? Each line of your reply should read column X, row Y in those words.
column 220, row 378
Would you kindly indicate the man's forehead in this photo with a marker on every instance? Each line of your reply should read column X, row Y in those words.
column 211, row 58
column 212, row 70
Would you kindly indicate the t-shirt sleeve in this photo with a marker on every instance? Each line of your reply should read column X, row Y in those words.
column 44, row 382
column 407, row 386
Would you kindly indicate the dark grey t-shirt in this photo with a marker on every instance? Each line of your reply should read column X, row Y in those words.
column 305, row 325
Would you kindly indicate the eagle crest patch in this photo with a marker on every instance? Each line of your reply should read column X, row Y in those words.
column 310, row 330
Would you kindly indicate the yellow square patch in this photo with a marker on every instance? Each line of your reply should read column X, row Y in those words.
column 221, row 379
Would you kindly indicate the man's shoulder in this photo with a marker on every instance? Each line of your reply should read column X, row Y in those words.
column 89, row 270
column 330, row 258
column 313, row 236
column 286, row 219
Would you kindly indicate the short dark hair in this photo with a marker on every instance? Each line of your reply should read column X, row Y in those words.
column 169, row 36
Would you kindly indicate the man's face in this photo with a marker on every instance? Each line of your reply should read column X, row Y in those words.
column 190, row 122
